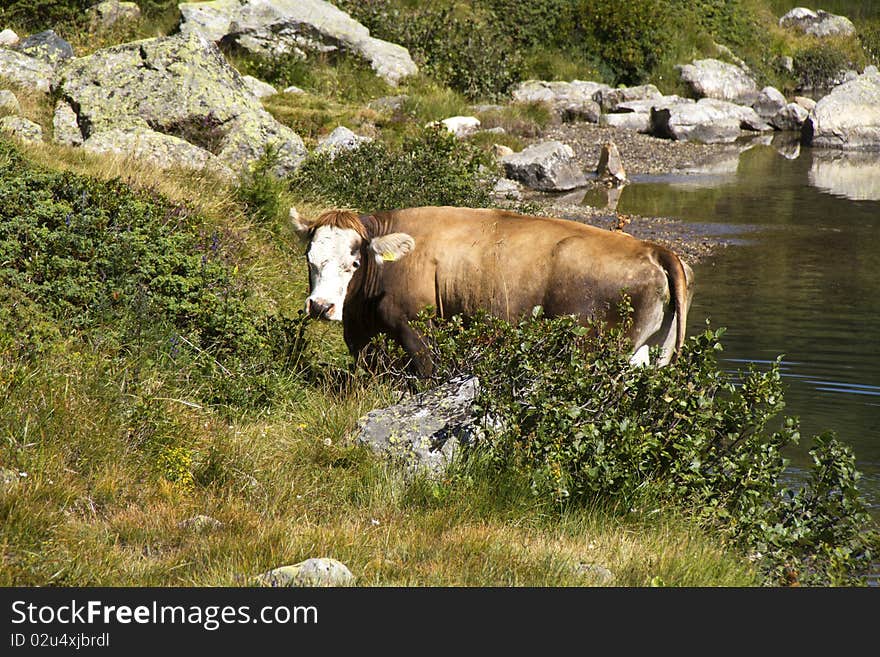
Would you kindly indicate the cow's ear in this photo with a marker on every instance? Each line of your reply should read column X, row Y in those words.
column 391, row 247
column 299, row 226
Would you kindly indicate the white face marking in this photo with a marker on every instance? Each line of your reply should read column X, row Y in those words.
column 333, row 256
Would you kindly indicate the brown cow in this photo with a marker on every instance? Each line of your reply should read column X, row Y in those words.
column 377, row 272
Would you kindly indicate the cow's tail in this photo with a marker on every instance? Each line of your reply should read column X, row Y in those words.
column 678, row 289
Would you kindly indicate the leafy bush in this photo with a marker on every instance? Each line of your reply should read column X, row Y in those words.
column 585, row 427
column 431, row 168
column 37, row 15
column 631, row 37
column 85, row 257
column 820, row 66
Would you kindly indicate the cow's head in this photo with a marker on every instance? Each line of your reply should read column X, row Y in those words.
column 338, row 241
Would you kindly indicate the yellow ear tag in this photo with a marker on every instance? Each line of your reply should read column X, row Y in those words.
column 389, row 257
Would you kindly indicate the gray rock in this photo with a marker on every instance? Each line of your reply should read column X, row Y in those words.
column 9, row 103
column 805, row 102
column 25, row 71
column 8, row 38
column 259, row 88
column 817, row 23
column 636, row 121
column 711, row 78
column 769, row 101
column 848, row 117
column 500, row 150
column 314, row 572
column 610, row 167
column 155, row 148
column 460, row 126
column 388, row 103
column 790, row 117
column 748, row 118
column 609, row 99
column 698, row 122
column 570, row 101
column 200, row 523
column 181, row 86
column 341, row 139
column 506, row 189
column 22, row 128
column 293, row 89
column 547, row 166
column 110, row 12
column 65, row 128
column 46, row 46
column 300, row 27
column 423, row 432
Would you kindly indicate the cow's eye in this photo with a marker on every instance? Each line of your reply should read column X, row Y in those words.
column 356, row 264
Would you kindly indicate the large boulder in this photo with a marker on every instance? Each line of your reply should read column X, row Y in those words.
column 748, row 117
column 848, row 117
column 548, row 166
column 155, row 148
column 769, row 101
column 570, row 101
column 423, row 432
column 700, row 122
column 278, row 27
column 180, row 86
column 25, row 71
column 817, row 23
column 47, row 46
column 790, row 117
column 711, row 78
column 21, row 128
column 609, row 99
column 636, row 114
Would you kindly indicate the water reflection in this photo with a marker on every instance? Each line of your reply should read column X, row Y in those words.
column 855, row 176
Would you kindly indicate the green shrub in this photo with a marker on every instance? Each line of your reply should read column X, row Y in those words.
column 431, row 168
column 148, row 278
column 820, row 66
column 38, row 15
column 586, row 428
column 869, row 37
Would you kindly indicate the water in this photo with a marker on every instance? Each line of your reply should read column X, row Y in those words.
column 801, row 279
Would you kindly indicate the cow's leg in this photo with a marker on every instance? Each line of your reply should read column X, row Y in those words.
column 416, row 349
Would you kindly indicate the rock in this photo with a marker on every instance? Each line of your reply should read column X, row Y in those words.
column 424, row 431
column 22, row 128
column 311, row 572
column 547, row 166
column 181, row 86
column 570, row 101
column 293, row 89
column 8, row 38
column 158, row 149
column 26, row 71
column 698, row 122
column 65, row 129
column 790, row 117
column 748, row 118
column 500, row 150
column 636, row 121
column 259, row 88
column 9, row 103
column 807, row 103
column 597, row 572
column 200, row 523
column 610, row 168
column 46, row 46
column 711, row 78
column 388, row 104
column 609, row 99
column 817, row 23
column 506, row 189
column 300, row 27
column 848, row 117
column 341, row 139
column 460, row 126
column 111, row 12
column 769, row 101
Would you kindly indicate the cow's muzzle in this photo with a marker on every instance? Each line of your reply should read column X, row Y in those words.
column 319, row 309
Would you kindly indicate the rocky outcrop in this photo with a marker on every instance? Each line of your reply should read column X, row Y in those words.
column 570, row 101
column 180, row 87
column 155, row 148
column 423, row 432
column 299, row 27
column 848, row 117
column 817, row 23
column 711, row 78
column 25, row 71
column 548, row 166
column 22, row 128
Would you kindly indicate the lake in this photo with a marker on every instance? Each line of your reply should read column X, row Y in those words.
column 800, row 278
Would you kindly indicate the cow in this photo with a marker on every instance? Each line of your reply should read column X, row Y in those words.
column 376, row 272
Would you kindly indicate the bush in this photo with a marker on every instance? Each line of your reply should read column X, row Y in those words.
column 587, row 428
column 431, row 168
column 820, row 66
column 88, row 258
